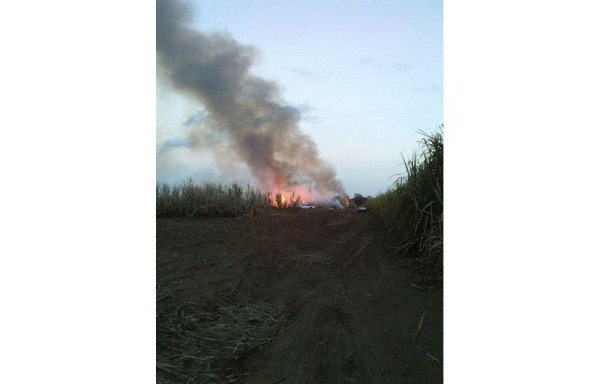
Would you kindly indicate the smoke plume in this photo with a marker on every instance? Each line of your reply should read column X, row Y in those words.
column 245, row 110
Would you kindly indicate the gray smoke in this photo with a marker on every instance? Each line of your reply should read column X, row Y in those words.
column 246, row 110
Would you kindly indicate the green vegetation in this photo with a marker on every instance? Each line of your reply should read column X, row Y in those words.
column 413, row 210
column 210, row 199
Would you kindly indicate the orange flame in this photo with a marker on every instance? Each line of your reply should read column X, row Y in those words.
column 299, row 195
column 282, row 199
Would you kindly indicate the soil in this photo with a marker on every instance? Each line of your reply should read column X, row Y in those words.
column 352, row 315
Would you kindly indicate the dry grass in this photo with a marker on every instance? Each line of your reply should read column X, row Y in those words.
column 199, row 342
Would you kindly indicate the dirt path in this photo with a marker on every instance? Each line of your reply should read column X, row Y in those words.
column 352, row 315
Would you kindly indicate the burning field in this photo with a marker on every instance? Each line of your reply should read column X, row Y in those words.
column 216, row 200
column 250, row 287
column 246, row 120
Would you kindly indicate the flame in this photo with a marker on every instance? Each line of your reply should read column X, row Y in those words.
column 299, row 195
column 283, row 199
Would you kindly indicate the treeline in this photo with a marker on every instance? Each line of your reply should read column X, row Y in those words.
column 413, row 208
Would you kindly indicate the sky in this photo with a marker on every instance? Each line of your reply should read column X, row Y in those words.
column 365, row 77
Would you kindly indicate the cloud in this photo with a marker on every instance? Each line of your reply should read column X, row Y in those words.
column 177, row 142
column 306, row 74
column 311, row 119
column 401, row 66
column 366, row 60
column 197, row 117
column 434, row 88
column 304, row 108
column 307, row 112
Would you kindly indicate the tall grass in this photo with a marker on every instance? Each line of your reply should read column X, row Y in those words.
column 209, row 199
column 413, row 207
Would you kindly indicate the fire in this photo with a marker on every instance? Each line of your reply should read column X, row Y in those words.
column 345, row 201
column 300, row 196
column 282, row 199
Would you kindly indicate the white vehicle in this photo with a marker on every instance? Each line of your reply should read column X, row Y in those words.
column 362, row 208
column 306, row 206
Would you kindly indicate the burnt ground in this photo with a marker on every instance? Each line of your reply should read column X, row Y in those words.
column 351, row 314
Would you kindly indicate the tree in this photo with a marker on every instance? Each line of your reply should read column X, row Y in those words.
column 359, row 199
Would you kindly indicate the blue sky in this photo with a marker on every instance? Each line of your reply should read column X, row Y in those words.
column 365, row 76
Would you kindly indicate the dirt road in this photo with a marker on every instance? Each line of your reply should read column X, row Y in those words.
column 351, row 314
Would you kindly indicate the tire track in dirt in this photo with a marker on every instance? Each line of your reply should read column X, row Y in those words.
column 339, row 348
column 307, row 346
column 356, row 240
column 323, row 360
column 334, row 353
column 337, row 335
column 361, row 247
column 342, row 290
column 313, row 351
column 365, row 346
